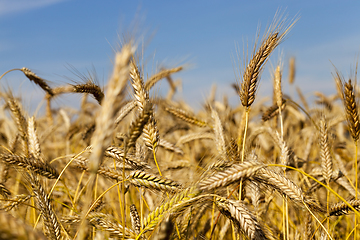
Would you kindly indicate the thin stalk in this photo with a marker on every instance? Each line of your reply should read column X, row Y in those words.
column 302, row 109
column 285, row 203
column 243, row 144
column 14, row 69
column 143, row 199
column 218, row 216
column 356, row 186
column 141, row 207
column 287, row 218
column 319, row 182
column 33, row 212
column 158, row 168
column 96, row 200
column 78, row 186
column 327, row 204
column 245, row 131
column 57, row 180
column 318, row 221
column 123, row 210
column 351, row 233
column 119, row 194
column 212, row 217
column 281, row 123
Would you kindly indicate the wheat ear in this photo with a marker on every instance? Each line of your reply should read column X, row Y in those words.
column 234, row 173
column 185, row 116
column 138, row 125
column 174, row 204
column 280, row 183
column 119, row 155
column 31, row 163
column 135, row 219
column 4, row 191
column 342, row 208
column 352, row 113
column 91, row 88
column 106, row 222
column 273, row 111
column 160, row 75
column 20, row 120
column 151, row 181
column 34, row 146
column 39, row 81
column 326, row 161
column 15, row 201
column 244, row 219
column 50, row 221
column 170, row 147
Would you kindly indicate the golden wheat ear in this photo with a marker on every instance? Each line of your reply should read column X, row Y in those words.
column 271, row 39
column 37, row 80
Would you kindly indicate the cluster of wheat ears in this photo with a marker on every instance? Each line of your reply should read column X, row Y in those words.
column 135, row 166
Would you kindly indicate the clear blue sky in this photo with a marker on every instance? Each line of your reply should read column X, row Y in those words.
column 48, row 35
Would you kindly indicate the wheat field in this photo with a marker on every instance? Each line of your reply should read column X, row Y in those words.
column 136, row 165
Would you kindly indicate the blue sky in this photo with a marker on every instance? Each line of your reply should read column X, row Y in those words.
column 49, row 35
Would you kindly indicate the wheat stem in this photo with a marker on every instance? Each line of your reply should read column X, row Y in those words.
column 356, row 185
column 247, row 110
column 157, row 165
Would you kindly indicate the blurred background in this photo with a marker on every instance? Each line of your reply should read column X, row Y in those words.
column 55, row 38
